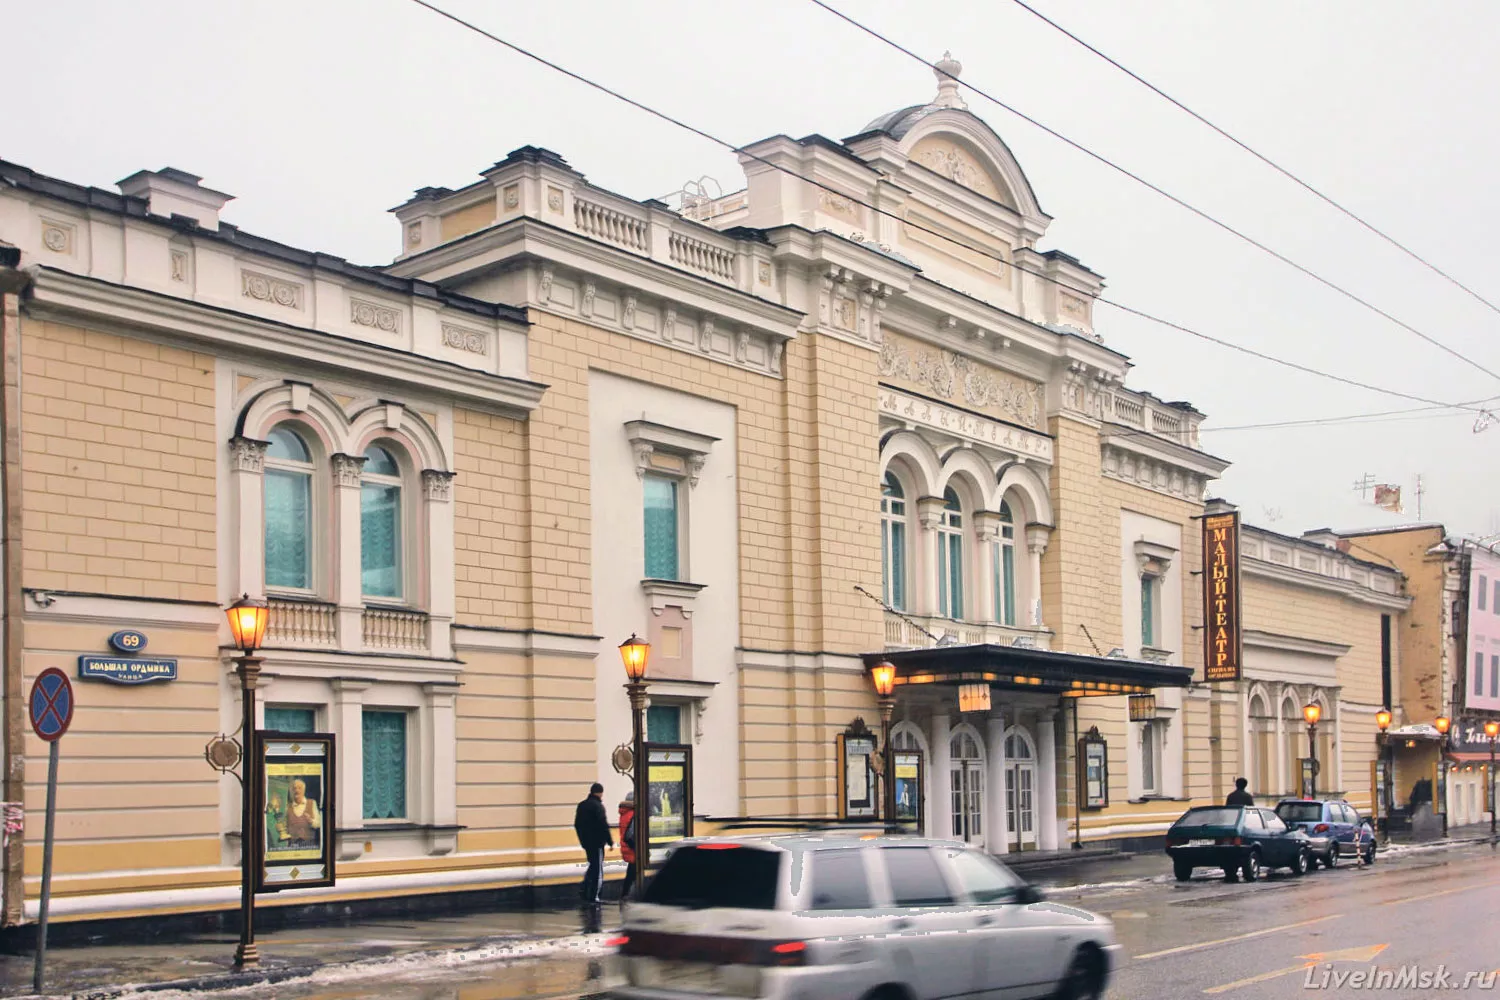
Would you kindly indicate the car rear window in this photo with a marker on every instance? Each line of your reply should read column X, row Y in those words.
column 1210, row 816
column 1300, row 812
column 729, row 876
column 915, row 877
column 839, row 881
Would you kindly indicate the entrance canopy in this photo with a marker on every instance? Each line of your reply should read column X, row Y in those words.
column 1069, row 675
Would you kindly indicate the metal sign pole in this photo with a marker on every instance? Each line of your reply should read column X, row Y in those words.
column 41, row 929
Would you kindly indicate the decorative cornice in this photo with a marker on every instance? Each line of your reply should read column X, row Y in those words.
column 961, row 424
column 70, row 296
column 1294, row 643
column 1251, row 566
column 247, row 455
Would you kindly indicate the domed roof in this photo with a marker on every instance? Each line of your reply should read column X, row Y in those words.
column 897, row 123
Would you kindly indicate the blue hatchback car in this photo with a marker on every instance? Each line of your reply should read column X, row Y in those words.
column 1334, row 826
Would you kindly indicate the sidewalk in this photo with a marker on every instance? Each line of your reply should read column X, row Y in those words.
column 200, row 964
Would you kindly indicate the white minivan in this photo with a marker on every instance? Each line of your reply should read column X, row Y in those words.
column 812, row 917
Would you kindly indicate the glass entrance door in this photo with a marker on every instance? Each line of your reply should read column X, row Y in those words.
column 966, row 787
column 1020, row 794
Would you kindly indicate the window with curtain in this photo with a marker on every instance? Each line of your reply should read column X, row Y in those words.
column 951, row 557
column 1479, row 674
column 380, row 525
column 385, row 764
column 664, row 724
column 1149, row 587
column 1150, row 758
column 893, row 541
column 288, row 511
column 1005, row 568
column 291, row 719
column 662, row 528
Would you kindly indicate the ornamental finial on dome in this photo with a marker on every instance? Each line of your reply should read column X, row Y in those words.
column 947, row 70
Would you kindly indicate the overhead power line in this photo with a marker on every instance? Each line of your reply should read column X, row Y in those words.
column 602, row 88
column 1264, row 159
column 1200, row 213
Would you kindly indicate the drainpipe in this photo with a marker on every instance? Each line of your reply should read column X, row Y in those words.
column 13, row 283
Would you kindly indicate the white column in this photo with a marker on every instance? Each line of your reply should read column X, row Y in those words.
column 441, row 798
column 925, row 589
column 348, row 585
column 437, row 494
column 997, row 837
column 247, row 465
column 1036, row 547
column 941, row 824
column 986, row 534
column 349, row 726
column 1046, row 749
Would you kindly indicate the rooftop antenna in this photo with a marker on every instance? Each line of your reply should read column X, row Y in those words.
column 1363, row 485
column 1421, row 490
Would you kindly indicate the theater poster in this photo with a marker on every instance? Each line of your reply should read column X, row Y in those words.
column 293, row 778
column 669, row 777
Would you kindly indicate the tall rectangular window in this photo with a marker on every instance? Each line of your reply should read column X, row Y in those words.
column 291, row 719
column 1385, row 662
column 661, row 528
column 380, row 540
column 1004, row 559
column 1482, row 591
column 1495, row 676
column 1148, row 611
column 1150, row 764
column 951, row 575
column 893, row 542
column 385, row 764
column 664, row 724
column 288, row 525
column 1479, row 674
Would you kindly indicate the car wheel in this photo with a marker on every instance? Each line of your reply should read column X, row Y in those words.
column 1370, row 855
column 1300, row 863
column 1182, row 870
column 1332, row 860
column 1084, row 979
column 1251, row 868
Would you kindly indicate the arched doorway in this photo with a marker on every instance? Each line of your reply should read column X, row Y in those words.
column 907, row 736
column 966, row 784
column 1020, row 790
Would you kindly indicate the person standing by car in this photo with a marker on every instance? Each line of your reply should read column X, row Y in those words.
column 627, row 844
column 591, row 824
column 1240, row 797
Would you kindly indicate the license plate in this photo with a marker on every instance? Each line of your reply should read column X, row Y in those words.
column 1201, row 842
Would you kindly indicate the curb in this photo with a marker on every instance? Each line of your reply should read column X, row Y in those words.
column 366, row 968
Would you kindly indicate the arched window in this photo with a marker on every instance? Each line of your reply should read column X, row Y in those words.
column 1293, row 739
column 288, row 511
column 951, row 557
column 893, row 541
column 1263, row 747
column 1005, row 568
column 380, row 537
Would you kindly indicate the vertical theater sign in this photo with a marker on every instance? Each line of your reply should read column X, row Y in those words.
column 1222, row 646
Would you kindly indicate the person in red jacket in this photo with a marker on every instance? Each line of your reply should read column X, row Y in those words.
column 627, row 844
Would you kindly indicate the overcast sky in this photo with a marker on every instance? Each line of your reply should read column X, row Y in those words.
column 320, row 116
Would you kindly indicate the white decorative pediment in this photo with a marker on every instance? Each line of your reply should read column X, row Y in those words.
column 669, row 450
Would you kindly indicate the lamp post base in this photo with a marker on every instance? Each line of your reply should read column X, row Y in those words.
column 246, row 956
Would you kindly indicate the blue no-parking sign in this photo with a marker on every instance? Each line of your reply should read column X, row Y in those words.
column 51, row 704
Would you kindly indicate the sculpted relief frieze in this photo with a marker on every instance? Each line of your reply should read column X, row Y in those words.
column 962, row 424
column 951, row 160
column 966, row 382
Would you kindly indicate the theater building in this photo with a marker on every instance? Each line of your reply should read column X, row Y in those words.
column 850, row 414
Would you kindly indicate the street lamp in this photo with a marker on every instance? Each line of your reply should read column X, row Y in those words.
column 1492, row 730
column 1442, row 723
column 1383, row 722
column 1312, row 713
column 634, row 653
column 248, row 619
column 884, row 676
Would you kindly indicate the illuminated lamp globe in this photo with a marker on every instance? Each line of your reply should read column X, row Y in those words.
column 1492, row 729
column 634, row 652
column 1312, row 713
column 248, row 618
column 1383, row 720
column 884, row 676
column 1441, row 724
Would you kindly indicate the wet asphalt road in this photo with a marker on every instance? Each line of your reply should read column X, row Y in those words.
column 1281, row 937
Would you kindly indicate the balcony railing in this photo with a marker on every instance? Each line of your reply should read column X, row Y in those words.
column 612, row 226
column 1151, row 415
column 395, row 629
column 302, row 623
column 906, row 632
column 703, row 257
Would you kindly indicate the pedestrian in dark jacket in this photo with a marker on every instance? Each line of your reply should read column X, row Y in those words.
column 591, row 824
column 1240, row 797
